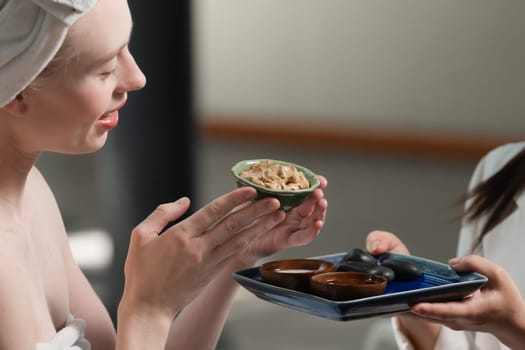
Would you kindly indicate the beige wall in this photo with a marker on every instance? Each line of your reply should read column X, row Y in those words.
column 450, row 64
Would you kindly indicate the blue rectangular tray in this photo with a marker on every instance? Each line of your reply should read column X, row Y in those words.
column 437, row 283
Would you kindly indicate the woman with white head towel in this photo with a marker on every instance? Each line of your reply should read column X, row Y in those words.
column 65, row 70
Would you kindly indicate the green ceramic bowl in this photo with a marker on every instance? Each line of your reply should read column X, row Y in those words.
column 289, row 198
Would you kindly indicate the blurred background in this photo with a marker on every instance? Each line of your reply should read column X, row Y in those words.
column 394, row 102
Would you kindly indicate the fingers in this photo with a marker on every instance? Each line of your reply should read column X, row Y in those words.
column 378, row 242
column 252, row 219
column 305, row 236
column 443, row 312
column 153, row 225
column 319, row 214
column 308, row 227
column 313, row 202
column 200, row 222
column 307, row 207
column 322, row 182
column 495, row 300
column 236, row 244
column 321, row 209
column 476, row 263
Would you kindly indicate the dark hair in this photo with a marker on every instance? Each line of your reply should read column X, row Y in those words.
column 494, row 197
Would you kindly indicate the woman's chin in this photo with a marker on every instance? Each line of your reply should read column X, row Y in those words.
column 95, row 147
column 90, row 146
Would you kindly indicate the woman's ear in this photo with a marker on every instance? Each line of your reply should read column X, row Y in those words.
column 17, row 106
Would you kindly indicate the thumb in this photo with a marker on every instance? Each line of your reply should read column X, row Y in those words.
column 475, row 263
column 378, row 242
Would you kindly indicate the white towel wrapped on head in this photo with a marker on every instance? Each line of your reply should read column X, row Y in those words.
column 31, row 32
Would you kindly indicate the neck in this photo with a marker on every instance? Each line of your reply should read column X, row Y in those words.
column 15, row 166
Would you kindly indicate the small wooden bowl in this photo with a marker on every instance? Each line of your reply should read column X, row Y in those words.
column 347, row 285
column 293, row 273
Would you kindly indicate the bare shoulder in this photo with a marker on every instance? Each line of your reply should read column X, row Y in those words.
column 38, row 184
column 41, row 196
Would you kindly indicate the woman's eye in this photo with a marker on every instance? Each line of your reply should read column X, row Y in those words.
column 108, row 73
column 109, row 68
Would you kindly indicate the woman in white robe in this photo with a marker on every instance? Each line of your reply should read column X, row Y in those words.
column 493, row 318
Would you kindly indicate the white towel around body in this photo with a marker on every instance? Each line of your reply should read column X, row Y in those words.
column 71, row 337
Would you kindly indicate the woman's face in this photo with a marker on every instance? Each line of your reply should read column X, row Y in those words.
column 72, row 109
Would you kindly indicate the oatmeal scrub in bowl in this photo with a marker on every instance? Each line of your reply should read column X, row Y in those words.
column 276, row 176
column 291, row 183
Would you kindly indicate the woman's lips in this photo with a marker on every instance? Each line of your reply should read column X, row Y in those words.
column 109, row 120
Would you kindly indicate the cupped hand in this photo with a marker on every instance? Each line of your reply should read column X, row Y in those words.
column 301, row 226
column 379, row 242
column 496, row 308
column 164, row 272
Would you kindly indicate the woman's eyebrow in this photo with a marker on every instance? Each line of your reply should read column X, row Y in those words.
column 111, row 55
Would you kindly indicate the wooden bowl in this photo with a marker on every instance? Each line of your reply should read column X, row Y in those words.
column 347, row 285
column 293, row 273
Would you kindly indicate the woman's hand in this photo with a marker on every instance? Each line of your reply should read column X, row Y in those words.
column 496, row 308
column 379, row 242
column 301, row 226
column 422, row 334
column 164, row 272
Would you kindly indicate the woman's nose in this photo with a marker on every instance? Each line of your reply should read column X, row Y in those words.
column 132, row 78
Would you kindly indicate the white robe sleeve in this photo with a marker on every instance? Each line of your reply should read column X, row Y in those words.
column 403, row 343
column 448, row 339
